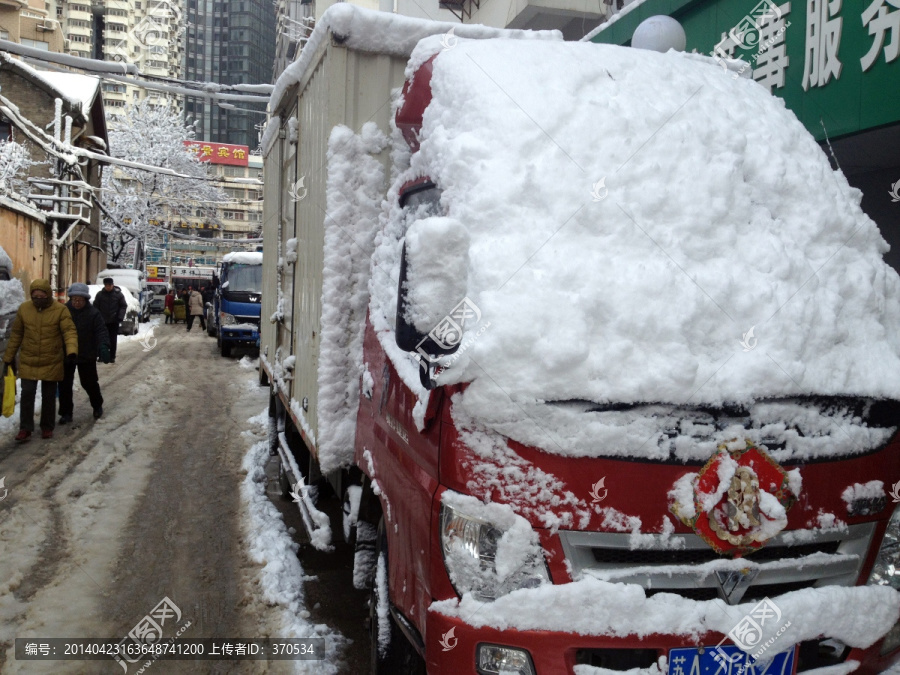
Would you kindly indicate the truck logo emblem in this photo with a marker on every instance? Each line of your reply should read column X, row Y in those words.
column 748, row 341
column 727, row 507
column 254, row 298
column 734, row 583
column 595, row 491
column 449, row 640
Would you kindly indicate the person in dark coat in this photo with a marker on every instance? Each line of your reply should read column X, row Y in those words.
column 111, row 304
column 93, row 341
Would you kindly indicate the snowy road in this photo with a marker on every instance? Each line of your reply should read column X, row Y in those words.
column 110, row 517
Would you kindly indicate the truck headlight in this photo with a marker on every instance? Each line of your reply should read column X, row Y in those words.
column 488, row 558
column 886, row 570
column 227, row 319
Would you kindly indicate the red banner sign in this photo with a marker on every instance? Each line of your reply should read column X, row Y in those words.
column 220, row 153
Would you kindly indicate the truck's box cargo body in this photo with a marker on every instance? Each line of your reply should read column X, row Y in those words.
column 595, row 349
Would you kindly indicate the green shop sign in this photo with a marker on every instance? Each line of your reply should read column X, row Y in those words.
column 835, row 64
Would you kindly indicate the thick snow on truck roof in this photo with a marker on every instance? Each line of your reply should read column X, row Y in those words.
column 243, row 258
column 631, row 217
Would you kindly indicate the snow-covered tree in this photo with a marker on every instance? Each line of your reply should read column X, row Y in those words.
column 139, row 203
column 14, row 162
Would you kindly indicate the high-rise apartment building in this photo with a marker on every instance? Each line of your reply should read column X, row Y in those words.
column 146, row 33
column 228, row 42
column 29, row 23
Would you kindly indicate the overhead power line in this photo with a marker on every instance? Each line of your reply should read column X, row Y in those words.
column 117, row 71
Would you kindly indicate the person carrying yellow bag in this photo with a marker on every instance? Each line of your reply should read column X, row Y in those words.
column 46, row 334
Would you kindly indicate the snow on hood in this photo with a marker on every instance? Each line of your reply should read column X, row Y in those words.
column 243, row 258
column 856, row 616
column 632, row 217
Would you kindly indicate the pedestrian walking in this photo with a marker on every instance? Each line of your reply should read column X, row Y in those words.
column 93, row 341
column 111, row 304
column 195, row 308
column 170, row 306
column 46, row 334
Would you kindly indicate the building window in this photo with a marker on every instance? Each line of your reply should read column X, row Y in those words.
column 4, row 35
column 37, row 44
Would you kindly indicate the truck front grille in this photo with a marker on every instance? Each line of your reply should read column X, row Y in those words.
column 824, row 558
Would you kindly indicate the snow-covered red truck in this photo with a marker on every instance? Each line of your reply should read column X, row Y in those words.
column 595, row 348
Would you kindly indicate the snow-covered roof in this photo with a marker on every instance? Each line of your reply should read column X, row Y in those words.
column 78, row 91
column 243, row 258
column 632, row 217
column 81, row 89
column 384, row 33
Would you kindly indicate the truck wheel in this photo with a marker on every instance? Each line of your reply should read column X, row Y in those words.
column 391, row 652
column 224, row 348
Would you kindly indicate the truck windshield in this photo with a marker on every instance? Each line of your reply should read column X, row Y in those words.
column 245, row 278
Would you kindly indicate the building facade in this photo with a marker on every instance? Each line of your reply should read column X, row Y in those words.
column 231, row 42
column 146, row 33
column 50, row 228
column 31, row 24
column 199, row 241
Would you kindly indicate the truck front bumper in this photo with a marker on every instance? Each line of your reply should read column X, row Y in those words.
column 554, row 653
column 245, row 336
column 458, row 634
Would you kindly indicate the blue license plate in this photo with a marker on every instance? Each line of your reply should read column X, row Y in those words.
column 727, row 660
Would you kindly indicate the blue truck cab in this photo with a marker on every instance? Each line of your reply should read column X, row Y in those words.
column 237, row 301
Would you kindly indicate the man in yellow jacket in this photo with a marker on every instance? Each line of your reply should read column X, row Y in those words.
column 46, row 333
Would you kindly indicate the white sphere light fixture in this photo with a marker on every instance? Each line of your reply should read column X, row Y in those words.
column 659, row 34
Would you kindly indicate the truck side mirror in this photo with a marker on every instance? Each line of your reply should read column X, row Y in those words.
column 433, row 280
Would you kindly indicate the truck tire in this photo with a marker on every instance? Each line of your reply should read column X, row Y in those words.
column 224, row 348
column 391, row 652
column 210, row 328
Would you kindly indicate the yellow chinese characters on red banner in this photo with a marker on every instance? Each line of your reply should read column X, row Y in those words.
column 219, row 153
